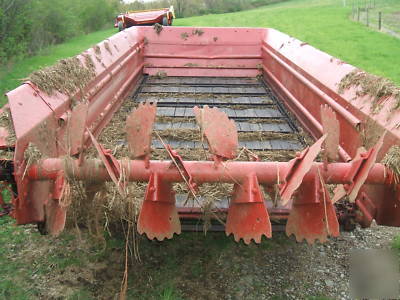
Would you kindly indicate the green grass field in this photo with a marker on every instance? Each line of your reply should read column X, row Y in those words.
column 11, row 76
column 390, row 10
column 324, row 24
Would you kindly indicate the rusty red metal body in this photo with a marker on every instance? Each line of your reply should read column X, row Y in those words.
column 306, row 81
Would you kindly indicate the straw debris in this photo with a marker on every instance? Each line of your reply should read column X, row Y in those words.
column 6, row 122
column 184, row 36
column 158, row 28
column 31, row 155
column 160, row 75
column 198, row 32
column 107, row 47
column 97, row 49
column 378, row 88
column 392, row 161
column 66, row 76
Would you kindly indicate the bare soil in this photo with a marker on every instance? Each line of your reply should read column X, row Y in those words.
column 194, row 266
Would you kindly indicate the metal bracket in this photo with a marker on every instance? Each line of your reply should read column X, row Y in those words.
column 313, row 215
column 110, row 162
column 158, row 216
column 188, row 178
column 367, row 208
column 361, row 165
column 298, row 168
column 247, row 215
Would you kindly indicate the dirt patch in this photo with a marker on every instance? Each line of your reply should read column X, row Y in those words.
column 378, row 88
column 67, row 76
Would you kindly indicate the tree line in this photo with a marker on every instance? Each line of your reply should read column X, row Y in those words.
column 27, row 26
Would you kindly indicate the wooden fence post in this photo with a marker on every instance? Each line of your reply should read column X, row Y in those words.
column 380, row 21
column 367, row 16
column 358, row 14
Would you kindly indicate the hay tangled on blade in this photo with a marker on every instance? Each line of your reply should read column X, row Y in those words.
column 377, row 87
column 66, row 76
column 392, row 161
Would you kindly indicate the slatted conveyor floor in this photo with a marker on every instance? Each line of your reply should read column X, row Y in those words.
column 261, row 121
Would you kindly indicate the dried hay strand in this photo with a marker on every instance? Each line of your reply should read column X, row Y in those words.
column 181, row 134
column 158, row 28
column 32, row 155
column 107, row 47
column 97, row 50
column 164, row 119
column 66, row 76
column 161, row 74
column 265, row 135
column 6, row 122
column 187, row 154
column 375, row 86
column 392, row 161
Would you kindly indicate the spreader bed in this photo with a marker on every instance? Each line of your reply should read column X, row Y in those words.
column 238, row 127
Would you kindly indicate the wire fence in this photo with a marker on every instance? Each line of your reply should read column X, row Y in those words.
column 383, row 15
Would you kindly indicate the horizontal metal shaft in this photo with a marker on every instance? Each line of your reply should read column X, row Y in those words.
column 201, row 171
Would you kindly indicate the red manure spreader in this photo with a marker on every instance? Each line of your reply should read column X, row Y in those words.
column 242, row 130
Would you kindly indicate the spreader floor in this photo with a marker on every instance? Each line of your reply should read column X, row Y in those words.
column 262, row 122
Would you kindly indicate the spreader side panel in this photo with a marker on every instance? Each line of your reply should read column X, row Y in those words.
column 52, row 119
column 306, row 79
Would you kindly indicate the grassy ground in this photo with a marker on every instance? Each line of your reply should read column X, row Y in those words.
column 390, row 10
column 191, row 266
column 326, row 25
column 11, row 76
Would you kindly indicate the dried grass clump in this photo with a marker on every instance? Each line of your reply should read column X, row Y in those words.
column 158, row 28
column 107, row 47
column 6, row 122
column 392, row 161
column 97, row 50
column 32, row 154
column 377, row 87
column 161, row 75
column 66, row 76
